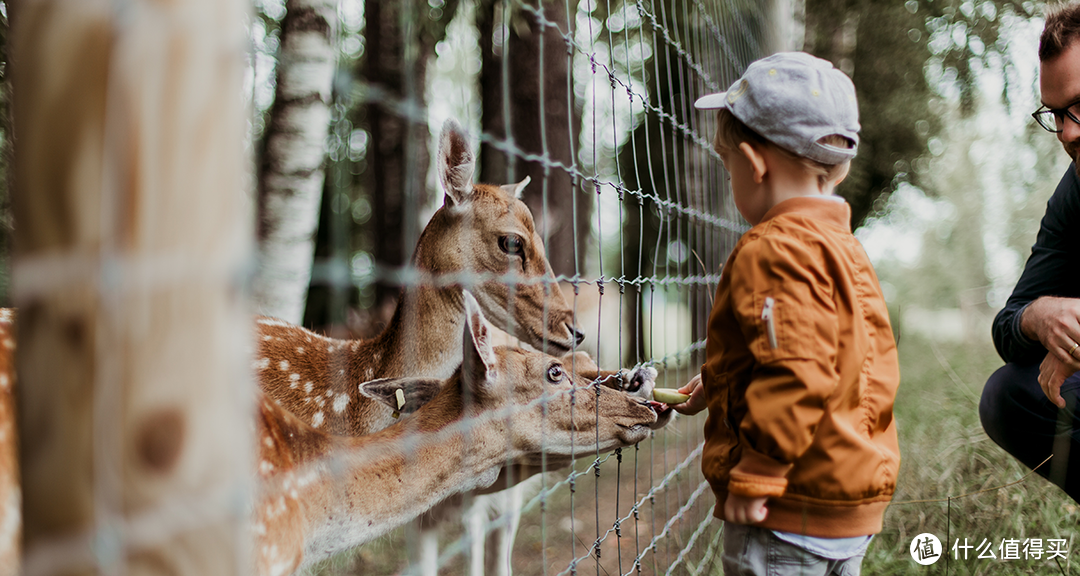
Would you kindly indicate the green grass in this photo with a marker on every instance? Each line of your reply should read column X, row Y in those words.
column 947, row 456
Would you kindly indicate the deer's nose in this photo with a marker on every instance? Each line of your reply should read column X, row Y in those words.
column 579, row 336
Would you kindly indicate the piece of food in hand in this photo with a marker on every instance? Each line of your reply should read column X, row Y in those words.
column 669, row 396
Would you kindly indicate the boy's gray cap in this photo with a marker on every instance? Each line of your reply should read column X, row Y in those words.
column 794, row 99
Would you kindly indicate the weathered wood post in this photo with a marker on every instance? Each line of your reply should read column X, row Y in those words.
column 131, row 243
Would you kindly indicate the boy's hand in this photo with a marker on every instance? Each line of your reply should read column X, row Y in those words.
column 743, row 510
column 696, row 403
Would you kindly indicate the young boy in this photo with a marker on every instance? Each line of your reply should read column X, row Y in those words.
column 801, row 367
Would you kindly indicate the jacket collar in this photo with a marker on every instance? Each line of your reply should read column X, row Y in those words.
column 829, row 210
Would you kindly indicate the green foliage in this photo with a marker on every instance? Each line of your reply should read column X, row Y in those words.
column 890, row 48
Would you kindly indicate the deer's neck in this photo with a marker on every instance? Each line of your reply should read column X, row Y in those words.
column 424, row 335
column 365, row 487
column 317, row 378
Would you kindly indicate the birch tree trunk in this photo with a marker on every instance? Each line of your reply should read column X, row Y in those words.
column 292, row 172
column 131, row 230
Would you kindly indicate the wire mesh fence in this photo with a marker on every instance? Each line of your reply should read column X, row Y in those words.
column 593, row 102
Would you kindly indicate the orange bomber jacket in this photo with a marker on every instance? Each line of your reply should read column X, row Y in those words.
column 800, row 376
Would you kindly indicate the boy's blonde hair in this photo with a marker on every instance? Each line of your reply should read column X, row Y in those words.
column 730, row 132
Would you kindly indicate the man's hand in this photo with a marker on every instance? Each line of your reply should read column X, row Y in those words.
column 696, row 403
column 743, row 510
column 1056, row 323
column 1052, row 372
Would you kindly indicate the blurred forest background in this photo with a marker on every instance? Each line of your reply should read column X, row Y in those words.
column 947, row 191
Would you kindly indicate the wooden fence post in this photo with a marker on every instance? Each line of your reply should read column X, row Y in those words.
column 132, row 239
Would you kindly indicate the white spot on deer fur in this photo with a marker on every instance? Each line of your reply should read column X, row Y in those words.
column 308, row 386
column 4, row 381
column 267, row 338
column 280, row 569
column 340, row 403
column 307, row 479
column 299, row 349
column 317, row 419
column 284, row 365
column 329, row 393
column 320, row 401
column 260, row 529
column 265, row 467
column 294, row 377
column 9, row 343
column 261, row 364
column 268, row 441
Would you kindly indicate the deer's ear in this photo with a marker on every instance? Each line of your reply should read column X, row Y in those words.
column 478, row 362
column 455, row 163
column 405, row 395
column 516, row 190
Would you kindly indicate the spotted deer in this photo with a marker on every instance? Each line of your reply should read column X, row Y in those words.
column 484, row 234
column 321, row 493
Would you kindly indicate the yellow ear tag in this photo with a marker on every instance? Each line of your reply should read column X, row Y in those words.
column 400, row 395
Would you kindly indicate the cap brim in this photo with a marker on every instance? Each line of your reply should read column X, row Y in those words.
column 712, row 101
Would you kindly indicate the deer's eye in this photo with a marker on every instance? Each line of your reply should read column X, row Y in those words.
column 555, row 373
column 512, row 245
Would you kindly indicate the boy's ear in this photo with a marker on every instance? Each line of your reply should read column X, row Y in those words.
column 757, row 161
column 843, row 174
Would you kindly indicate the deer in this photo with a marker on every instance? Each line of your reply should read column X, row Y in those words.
column 484, row 231
column 321, row 493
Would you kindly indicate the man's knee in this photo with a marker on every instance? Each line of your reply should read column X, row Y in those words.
column 1002, row 395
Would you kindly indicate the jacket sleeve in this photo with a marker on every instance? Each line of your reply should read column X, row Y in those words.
column 1052, row 269
column 784, row 283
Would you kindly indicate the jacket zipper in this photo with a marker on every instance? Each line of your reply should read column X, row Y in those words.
column 767, row 316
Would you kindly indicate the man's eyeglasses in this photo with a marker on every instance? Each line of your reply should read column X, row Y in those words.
column 1053, row 119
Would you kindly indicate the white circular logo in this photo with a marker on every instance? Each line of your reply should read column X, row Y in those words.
column 925, row 549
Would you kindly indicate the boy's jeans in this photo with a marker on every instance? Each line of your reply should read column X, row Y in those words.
column 752, row 551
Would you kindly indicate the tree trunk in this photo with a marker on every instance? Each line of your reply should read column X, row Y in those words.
column 398, row 150
column 541, row 120
column 132, row 229
column 292, row 172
